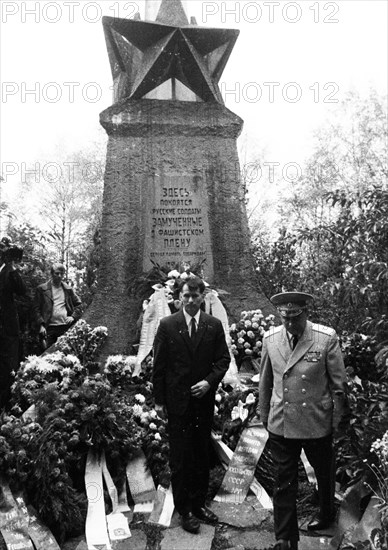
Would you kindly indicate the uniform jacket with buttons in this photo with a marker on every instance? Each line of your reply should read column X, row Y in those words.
column 302, row 391
column 178, row 364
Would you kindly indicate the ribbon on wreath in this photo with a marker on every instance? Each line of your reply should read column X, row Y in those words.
column 140, row 483
column 239, row 477
column 308, row 469
column 163, row 507
column 214, row 306
column 96, row 526
column 40, row 535
column 13, row 522
column 154, row 312
column 118, row 528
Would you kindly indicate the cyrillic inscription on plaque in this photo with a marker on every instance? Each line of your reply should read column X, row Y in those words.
column 177, row 229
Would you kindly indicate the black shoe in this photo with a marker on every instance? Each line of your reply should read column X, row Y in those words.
column 206, row 515
column 282, row 545
column 320, row 524
column 190, row 523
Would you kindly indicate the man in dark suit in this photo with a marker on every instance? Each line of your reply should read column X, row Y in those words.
column 190, row 359
column 301, row 400
column 11, row 283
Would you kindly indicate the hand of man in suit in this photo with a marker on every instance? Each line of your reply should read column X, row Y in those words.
column 200, row 389
column 161, row 411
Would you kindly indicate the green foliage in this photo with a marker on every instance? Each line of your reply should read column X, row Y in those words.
column 359, row 353
column 336, row 217
column 368, row 421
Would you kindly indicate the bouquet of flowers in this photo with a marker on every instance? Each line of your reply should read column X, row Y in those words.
column 36, row 372
column 83, row 341
column 155, row 441
column 247, row 334
column 234, row 411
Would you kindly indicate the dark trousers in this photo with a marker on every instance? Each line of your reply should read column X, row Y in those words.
column 189, row 437
column 285, row 454
column 54, row 332
column 9, row 361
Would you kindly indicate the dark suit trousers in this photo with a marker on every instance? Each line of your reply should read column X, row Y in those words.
column 9, row 361
column 54, row 332
column 189, row 437
column 285, row 454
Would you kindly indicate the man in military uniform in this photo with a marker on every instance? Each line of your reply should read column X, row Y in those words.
column 301, row 401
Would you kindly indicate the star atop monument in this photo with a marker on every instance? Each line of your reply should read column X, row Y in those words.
column 144, row 54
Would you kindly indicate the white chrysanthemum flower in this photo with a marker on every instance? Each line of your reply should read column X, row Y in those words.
column 158, row 436
column 137, row 410
column 113, row 360
column 140, row 398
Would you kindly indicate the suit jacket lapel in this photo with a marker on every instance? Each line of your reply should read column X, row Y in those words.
column 49, row 290
column 303, row 345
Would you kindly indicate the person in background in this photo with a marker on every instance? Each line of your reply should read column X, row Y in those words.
column 302, row 391
column 11, row 283
column 190, row 359
column 56, row 306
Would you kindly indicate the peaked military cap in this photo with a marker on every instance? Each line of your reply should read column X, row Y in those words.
column 291, row 304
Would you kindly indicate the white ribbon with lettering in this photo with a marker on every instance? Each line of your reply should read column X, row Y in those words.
column 13, row 522
column 308, row 468
column 96, row 529
column 117, row 523
column 214, row 306
column 239, row 477
column 140, row 483
column 163, row 507
column 40, row 535
column 155, row 311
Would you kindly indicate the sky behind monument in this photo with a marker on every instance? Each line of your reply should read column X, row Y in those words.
column 292, row 64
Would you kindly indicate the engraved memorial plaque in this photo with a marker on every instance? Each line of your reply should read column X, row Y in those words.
column 178, row 225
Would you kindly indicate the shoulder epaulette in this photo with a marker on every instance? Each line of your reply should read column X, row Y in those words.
column 273, row 330
column 325, row 330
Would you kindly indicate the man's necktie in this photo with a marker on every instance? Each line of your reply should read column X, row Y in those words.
column 294, row 341
column 193, row 329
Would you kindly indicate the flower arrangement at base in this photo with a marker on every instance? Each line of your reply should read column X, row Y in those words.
column 83, row 341
column 55, row 368
column 234, row 410
column 247, row 334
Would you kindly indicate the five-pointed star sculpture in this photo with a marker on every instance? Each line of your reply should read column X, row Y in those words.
column 145, row 54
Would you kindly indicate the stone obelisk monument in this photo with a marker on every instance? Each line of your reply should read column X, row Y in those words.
column 172, row 193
